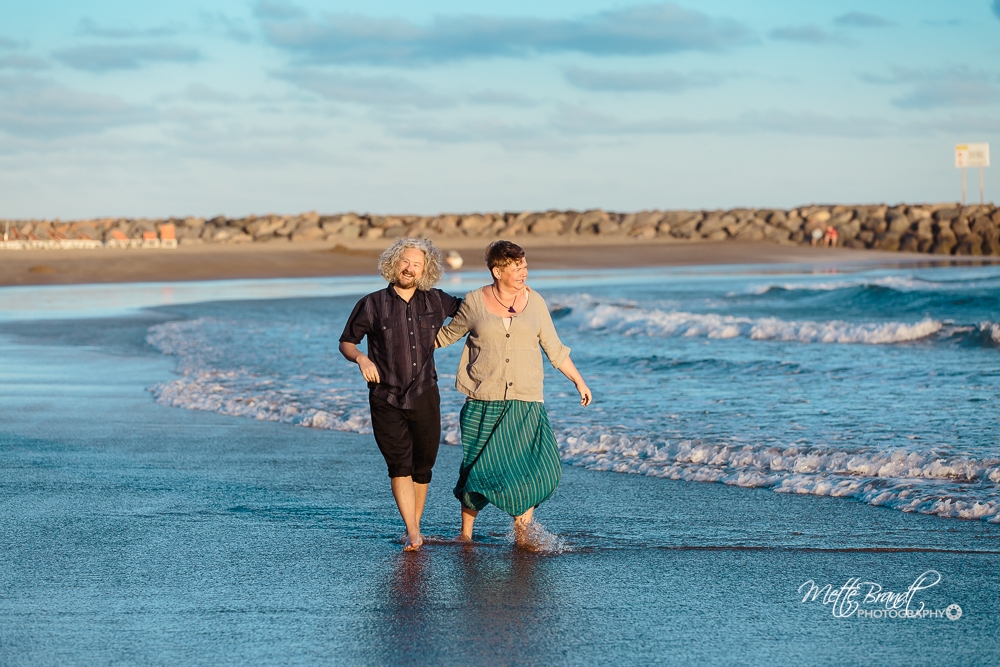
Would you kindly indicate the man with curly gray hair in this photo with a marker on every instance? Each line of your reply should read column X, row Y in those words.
column 401, row 323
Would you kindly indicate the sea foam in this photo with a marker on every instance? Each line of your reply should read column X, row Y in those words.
column 313, row 401
column 910, row 481
column 631, row 320
column 202, row 346
column 896, row 283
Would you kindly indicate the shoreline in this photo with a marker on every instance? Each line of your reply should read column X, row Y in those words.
column 323, row 259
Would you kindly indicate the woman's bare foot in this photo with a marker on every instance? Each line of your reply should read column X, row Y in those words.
column 524, row 535
column 413, row 542
column 462, row 537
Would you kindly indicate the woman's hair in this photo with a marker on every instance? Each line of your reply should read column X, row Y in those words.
column 501, row 254
column 389, row 261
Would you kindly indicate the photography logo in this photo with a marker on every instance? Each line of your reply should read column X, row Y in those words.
column 870, row 600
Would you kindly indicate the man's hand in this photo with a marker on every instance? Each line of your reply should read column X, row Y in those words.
column 368, row 369
column 585, row 395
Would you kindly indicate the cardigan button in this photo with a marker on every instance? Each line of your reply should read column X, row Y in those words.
column 510, row 384
column 508, row 361
column 508, row 335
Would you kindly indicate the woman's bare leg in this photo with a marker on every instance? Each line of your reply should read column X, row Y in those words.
column 521, row 524
column 468, row 519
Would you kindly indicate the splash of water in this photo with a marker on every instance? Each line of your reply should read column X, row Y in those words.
column 536, row 538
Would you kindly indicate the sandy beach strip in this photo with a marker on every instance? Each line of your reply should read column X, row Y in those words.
column 310, row 260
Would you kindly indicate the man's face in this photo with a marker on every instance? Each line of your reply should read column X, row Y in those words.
column 410, row 268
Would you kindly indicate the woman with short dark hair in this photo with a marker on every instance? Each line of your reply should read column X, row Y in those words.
column 510, row 457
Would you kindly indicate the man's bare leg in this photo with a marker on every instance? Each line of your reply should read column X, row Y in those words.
column 468, row 519
column 406, row 501
column 420, row 496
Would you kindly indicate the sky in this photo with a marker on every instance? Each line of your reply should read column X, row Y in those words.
column 230, row 107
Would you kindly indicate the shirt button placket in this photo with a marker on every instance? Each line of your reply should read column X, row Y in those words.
column 506, row 373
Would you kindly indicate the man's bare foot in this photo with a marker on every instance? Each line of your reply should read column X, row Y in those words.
column 462, row 537
column 413, row 543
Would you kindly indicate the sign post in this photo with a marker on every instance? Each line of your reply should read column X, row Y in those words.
column 972, row 155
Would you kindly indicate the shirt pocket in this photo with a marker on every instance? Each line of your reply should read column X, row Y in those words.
column 427, row 328
column 387, row 333
column 528, row 371
column 432, row 320
column 483, row 367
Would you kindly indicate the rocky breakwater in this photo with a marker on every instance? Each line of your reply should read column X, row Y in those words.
column 946, row 229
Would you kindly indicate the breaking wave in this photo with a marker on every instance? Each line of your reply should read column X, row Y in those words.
column 905, row 284
column 310, row 400
column 631, row 320
column 909, row 481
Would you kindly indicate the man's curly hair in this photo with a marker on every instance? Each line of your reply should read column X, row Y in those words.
column 389, row 261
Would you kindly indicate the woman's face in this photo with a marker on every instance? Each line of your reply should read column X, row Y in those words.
column 513, row 276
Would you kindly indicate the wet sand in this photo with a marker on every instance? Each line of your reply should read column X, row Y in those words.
column 303, row 260
column 139, row 534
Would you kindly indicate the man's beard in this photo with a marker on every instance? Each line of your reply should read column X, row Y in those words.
column 406, row 281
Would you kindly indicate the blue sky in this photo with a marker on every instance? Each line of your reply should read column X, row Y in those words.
column 151, row 109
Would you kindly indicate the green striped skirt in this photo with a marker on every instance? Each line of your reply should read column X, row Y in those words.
column 509, row 457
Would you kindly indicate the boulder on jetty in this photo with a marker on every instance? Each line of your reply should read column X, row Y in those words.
column 944, row 229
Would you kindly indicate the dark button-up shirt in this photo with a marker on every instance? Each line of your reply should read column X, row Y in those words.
column 401, row 340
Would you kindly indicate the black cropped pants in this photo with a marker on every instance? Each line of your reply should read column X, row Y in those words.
column 408, row 439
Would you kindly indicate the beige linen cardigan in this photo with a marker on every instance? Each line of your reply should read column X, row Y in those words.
column 498, row 364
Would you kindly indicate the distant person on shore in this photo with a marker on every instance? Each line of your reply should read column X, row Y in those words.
column 401, row 322
column 816, row 235
column 509, row 453
column 830, row 238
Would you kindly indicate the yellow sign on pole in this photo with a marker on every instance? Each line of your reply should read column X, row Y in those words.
column 972, row 155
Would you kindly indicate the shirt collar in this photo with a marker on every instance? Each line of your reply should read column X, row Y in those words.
column 395, row 295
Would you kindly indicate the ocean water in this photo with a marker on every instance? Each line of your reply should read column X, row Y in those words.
column 878, row 386
column 136, row 533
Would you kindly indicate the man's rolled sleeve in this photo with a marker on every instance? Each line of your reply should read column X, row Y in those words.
column 359, row 324
column 451, row 304
column 454, row 330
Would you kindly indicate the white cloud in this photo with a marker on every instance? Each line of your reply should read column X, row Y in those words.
column 663, row 81
column 383, row 91
column 638, row 30
column 101, row 58
column 809, row 34
column 89, row 27
column 41, row 109
column 956, row 86
column 862, row 20
column 22, row 63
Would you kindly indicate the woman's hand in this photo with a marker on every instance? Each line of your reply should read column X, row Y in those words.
column 368, row 369
column 585, row 396
column 568, row 369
